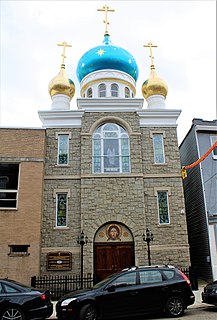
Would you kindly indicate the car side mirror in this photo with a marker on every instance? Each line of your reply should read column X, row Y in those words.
column 112, row 287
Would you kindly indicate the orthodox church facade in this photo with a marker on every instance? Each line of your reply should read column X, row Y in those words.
column 112, row 170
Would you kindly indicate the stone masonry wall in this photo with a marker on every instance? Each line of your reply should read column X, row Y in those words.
column 130, row 199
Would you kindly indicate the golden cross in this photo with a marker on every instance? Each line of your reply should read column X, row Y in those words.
column 64, row 45
column 150, row 45
column 106, row 10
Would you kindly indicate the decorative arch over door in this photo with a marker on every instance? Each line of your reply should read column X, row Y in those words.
column 113, row 249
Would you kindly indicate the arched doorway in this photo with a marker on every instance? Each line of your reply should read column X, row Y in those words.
column 113, row 249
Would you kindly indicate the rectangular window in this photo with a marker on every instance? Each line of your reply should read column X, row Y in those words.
column 214, row 152
column 63, row 149
column 61, row 209
column 163, row 207
column 18, row 250
column 9, row 175
column 158, row 144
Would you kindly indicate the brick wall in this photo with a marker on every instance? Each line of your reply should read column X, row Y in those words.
column 22, row 226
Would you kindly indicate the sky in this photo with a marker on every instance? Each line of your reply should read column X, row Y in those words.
column 185, row 57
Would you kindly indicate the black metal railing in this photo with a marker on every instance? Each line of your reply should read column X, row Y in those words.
column 185, row 270
column 62, row 284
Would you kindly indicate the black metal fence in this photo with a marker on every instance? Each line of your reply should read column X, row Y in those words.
column 185, row 271
column 60, row 285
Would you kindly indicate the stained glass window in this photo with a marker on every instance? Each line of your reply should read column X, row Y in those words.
column 111, row 152
column 61, row 208
column 163, row 208
column 158, row 148
column 63, row 149
column 127, row 92
column 90, row 93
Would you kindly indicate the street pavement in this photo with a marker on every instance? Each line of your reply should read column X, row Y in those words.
column 198, row 301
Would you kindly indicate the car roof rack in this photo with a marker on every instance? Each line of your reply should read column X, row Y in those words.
column 132, row 268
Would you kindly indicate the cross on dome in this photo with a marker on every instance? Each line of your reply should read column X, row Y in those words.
column 64, row 45
column 150, row 45
column 106, row 10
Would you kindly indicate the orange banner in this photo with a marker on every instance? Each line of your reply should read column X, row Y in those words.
column 184, row 168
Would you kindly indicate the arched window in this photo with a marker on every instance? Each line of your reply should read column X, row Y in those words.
column 127, row 92
column 111, row 151
column 114, row 90
column 90, row 93
column 102, row 90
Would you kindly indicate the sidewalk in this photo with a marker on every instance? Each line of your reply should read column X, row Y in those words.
column 198, row 300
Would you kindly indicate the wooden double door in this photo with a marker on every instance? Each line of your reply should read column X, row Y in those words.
column 111, row 258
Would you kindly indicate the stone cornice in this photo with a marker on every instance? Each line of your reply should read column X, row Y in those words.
column 110, row 104
column 158, row 117
column 61, row 118
column 122, row 175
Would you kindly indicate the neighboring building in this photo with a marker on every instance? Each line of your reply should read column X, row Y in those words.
column 112, row 169
column 200, row 188
column 22, row 153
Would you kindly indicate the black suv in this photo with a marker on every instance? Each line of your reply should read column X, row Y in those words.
column 129, row 293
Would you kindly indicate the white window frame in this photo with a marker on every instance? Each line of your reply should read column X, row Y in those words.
column 102, row 90
column 213, row 139
column 114, row 91
column 58, row 135
column 55, row 195
column 153, row 135
column 5, row 192
column 168, row 192
column 122, row 133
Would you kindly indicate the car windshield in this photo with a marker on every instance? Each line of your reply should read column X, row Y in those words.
column 104, row 281
column 17, row 283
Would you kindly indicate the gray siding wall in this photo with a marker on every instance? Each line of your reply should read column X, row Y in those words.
column 195, row 209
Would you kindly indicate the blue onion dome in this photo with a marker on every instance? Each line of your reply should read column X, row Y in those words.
column 107, row 56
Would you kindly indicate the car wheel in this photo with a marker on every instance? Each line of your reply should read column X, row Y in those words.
column 175, row 307
column 88, row 312
column 13, row 313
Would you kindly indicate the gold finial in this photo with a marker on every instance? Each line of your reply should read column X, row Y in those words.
column 150, row 45
column 106, row 10
column 64, row 45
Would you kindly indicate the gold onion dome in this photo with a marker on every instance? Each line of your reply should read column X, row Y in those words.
column 61, row 84
column 154, row 85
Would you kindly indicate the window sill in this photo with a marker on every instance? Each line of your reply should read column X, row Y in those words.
column 61, row 228
column 18, row 254
column 62, row 165
column 8, row 209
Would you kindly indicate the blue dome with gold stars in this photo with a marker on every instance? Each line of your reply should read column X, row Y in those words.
column 107, row 56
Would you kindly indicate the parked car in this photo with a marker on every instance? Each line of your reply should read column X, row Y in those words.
column 18, row 301
column 209, row 294
column 132, row 292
